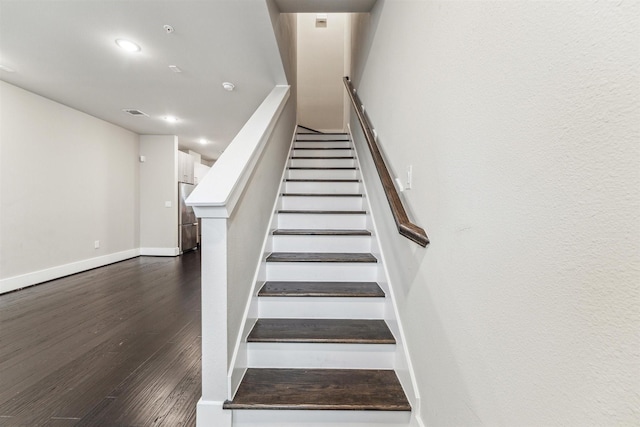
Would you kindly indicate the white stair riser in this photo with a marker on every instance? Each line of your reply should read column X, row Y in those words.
column 321, row 308
column 322, row 271
column 322, row 221
column 322, row 187
column 339, row 203
column 323, row 144
column 322, row 163
column 321, row 136
column 322, row 174
column 284, row 243
column 295, row 418
column 322, row 153
column 320, row 356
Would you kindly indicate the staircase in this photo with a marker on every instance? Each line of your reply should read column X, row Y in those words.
column 320, row 352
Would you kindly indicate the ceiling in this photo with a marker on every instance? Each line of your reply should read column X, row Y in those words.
column 66, row 51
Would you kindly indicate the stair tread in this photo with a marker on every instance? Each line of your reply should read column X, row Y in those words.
column 322, row 194
column 322, row 140
column 322, row 168
column 297, row 211
column 321, row 257
column 321, row 232
column 346, row 331
column 321, row 289
column 321, row 148
column 321, row 180
column 327, row 389
column 322, row 158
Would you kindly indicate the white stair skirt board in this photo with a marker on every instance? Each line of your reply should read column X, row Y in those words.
column 350, row 244
column 320, row 356
column 295, row 418
column 322, row 163
column 321, row 307
column 322, row 174
column 340, row 203
column 322, row 221
column 308, row 152
column 322, row 144
column 322, row 187
column 328, row 271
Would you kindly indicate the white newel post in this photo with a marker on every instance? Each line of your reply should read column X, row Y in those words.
column 214, row 324
column 214, row 200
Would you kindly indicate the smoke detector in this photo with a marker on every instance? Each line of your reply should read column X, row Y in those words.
column 168, row 28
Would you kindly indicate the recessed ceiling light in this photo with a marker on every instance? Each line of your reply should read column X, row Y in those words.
column 228, row 86
column 128, row 45
column 6, row 69
column 203, row 141
column 170, row 119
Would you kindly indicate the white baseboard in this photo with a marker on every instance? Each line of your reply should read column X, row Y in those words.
column 159, row 251
column 17, row 282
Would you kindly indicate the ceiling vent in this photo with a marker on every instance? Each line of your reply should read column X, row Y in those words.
column 135, row 112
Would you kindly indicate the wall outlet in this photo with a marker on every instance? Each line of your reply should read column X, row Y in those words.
column 96, row 244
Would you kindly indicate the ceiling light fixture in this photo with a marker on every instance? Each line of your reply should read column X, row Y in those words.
column 175, row 68
column 203, row 141
column 170, row 119
column 228, row 86
column 128, row 45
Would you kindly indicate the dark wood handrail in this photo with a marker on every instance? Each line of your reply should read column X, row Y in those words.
column 405, row 227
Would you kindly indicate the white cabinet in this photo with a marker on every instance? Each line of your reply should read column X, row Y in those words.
column 185, row 168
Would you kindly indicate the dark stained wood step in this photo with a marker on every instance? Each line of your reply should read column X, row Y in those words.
column 321, row 257
column 321, row 180
column 345, row 331
column 327, row 389
column 290, row 211
column 323, row 140
column 322, row 148
column 321, row 289
column 322, row 232
column 321, row 195
column 322, row 158
column 322, row 168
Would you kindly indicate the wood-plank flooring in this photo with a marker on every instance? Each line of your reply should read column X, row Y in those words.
column 114, row 346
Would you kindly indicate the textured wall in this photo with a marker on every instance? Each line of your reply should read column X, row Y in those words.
column 521, row 121
column 159, row 184
column 320, row 71
column 66, row 180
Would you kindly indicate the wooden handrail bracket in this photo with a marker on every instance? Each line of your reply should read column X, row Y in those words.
column 405, row 227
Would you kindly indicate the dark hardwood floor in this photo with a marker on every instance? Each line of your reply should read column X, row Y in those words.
column 114, row 346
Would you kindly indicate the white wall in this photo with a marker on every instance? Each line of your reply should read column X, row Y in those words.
column 159, row 185
column 66, row 180
column 321, row 66
column 521, row 122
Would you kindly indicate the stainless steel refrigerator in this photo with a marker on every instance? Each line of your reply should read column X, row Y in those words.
column 187, row 221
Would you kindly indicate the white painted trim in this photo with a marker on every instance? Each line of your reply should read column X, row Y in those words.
column 216, row 196
column 17, row 282
column 383, row 262
column 236, row 373
column 159, row 251
column 210, row 413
